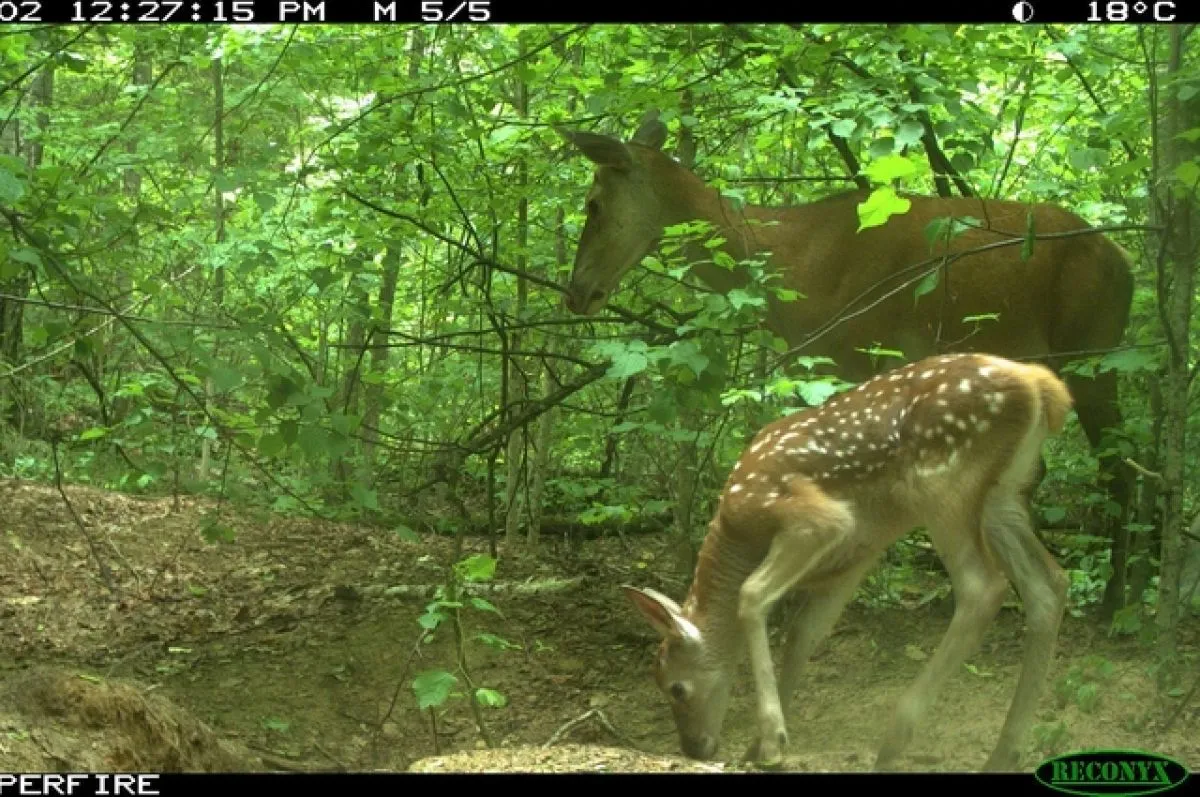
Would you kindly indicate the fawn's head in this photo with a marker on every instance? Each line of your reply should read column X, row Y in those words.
column 695, row 678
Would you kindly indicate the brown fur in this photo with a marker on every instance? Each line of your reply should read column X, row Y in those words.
column 948, row 442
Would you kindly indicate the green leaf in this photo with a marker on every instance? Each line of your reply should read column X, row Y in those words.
column 12, row 188
column 431, row 619
column 95, row 433
column 225, row 379
column 8, row 268
column 479, row 567
column 366, row 498
column 687, row 353
column 276, row 725
column 1129, row 361
column 881, row 147
column 73, row 61
column 497, row 642
column 1030, row 234
column 483, row 605
column 927, row 284
column 739, row 298
column 782, row 387
column 314, row 440
column 662, row 409
column 213, row 531
column 433, row 688
column 947, row 228
column 490, row 698
column 1053, row 514
column 816, row 392
column 909, row 133
column 724, row 260
column 405, row 533
column 844, row 128
column 1188, row 173
column 627, row 358
column 23, row 254
column 881, row 205
column 271, row 444
column 879, row 351
column 888, row 168
column 737, row 395
column 810, row 363
column 627, row 364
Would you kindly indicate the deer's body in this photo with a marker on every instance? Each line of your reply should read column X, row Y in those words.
column 1071, row 297
column 949, row 443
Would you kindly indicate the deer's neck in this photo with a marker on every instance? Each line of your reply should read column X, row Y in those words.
column 712, row 602
column 746, row 230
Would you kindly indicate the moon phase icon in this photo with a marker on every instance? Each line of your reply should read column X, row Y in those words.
column 1022, row 11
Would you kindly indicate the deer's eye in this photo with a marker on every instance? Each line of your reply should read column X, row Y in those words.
column 678, row 691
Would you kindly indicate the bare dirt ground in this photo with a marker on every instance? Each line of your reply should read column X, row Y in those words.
column 293, row 647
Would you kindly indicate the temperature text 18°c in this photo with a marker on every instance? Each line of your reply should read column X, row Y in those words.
column 1137, row 11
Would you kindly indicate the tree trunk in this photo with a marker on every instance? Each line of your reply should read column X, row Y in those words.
column 516, row 455
column 218, row 81
column 1178, row 194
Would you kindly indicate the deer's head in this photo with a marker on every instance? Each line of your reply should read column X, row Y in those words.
column 625, row 216
column 694, row 677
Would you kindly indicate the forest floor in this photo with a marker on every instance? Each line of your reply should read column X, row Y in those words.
column 294, row 646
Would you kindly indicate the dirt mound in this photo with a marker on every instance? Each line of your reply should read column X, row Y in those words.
column 561, row 758
column 59, row 720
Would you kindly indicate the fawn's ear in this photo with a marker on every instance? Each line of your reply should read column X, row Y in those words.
column 662, row 613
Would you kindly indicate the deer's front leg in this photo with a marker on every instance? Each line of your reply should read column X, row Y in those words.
column 767, row 749
column 792, row 555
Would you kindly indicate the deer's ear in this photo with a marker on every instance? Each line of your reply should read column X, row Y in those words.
column 599, row 149
column 652, row 132
column 662, row 613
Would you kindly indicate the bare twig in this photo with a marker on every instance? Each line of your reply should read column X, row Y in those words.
column 1149, row 474
column 598, row 716
column 105, row 572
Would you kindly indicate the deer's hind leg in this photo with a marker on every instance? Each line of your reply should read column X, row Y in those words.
column 1042, row 585
column 979, row 590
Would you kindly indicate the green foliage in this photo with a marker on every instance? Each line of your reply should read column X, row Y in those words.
column 881, row 205
column 433, row 688
column 1083, row 684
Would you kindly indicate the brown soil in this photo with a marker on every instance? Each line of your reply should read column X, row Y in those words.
column 294, row 647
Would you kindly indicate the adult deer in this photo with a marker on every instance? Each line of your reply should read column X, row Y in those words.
column 951, row 443
column 1072, row 295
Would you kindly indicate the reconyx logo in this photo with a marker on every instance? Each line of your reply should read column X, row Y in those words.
column 1111, row 772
